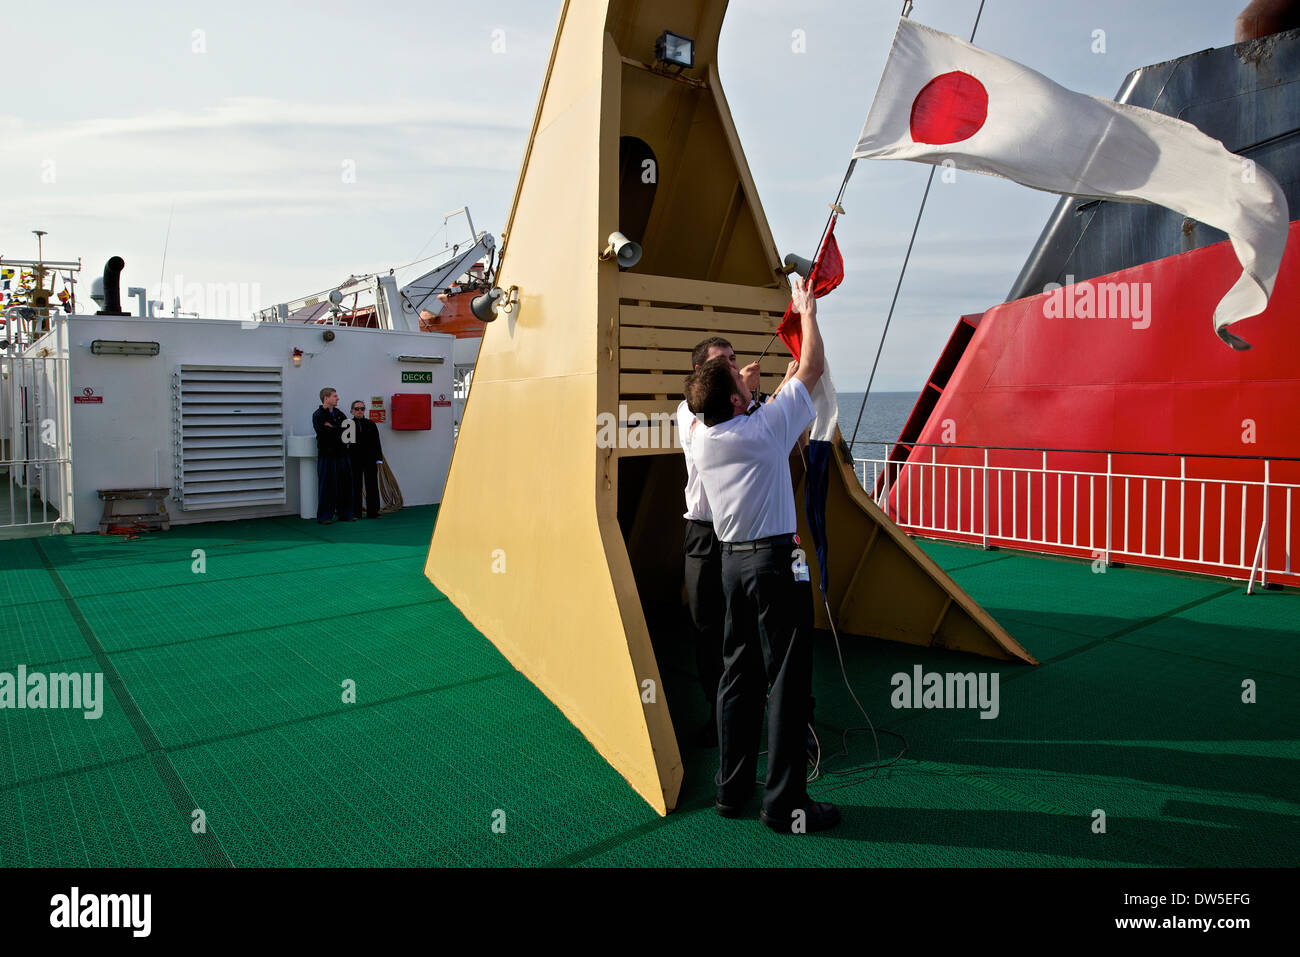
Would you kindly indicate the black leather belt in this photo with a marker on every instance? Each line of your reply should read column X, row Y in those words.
column 775, row 541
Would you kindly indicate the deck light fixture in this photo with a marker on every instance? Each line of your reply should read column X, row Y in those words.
column 115, row 347
column 675, row 50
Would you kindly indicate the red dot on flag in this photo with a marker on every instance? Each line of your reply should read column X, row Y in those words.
column 950, row 108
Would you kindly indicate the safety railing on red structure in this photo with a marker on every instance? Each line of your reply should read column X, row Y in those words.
column 1230, row 515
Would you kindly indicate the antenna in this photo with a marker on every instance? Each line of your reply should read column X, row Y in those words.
column 162, row 272
column 39, row 295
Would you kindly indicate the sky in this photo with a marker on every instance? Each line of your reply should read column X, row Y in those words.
column 282, row 146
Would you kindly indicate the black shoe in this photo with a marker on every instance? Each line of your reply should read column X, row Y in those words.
column 817, row 816
column 733, row 808
column 729, row 810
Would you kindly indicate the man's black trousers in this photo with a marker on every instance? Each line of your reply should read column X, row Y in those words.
column 704, row 596
column 369, row 473
column 767, row 640
column 334, row 488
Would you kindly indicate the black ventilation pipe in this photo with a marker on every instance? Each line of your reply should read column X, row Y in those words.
column 113, row 287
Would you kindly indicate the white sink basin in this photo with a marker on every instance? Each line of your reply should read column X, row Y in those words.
column 302, row 446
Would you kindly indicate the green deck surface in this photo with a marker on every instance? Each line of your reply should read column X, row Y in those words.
column 223, row 693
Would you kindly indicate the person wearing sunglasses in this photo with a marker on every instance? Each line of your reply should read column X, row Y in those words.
column 367, row 455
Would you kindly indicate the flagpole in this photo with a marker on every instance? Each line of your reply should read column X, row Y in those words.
column 915, row 226
column 836, row 210
column 890, row 315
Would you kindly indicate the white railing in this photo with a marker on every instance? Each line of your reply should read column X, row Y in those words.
column 1143, row 517
column 35, row 433
column 21, row 326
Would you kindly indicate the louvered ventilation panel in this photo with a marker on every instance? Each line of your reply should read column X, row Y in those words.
column 229, row 434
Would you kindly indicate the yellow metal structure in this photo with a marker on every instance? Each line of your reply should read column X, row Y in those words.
column 557, row 543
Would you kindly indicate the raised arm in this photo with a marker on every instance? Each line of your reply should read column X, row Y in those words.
column 812, row 358
column 320, row 423
column 790, row 370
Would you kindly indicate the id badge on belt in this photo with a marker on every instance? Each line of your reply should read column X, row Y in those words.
column 799, row 565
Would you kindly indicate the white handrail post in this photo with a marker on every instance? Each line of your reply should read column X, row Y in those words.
column 63, row 401
column 934, row 484
column 1259, row 548
column 1109, row 484
column 984, row 480
column 1263, row 564
column 1182, row 504
column 884, row 491
column 1044, row 496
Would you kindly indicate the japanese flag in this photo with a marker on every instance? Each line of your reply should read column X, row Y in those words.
column 943, row 99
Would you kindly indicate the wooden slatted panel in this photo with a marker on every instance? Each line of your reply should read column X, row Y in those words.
column 668, row 384
column 699, row 293
column 649, row 383
column 670, row 450
column 651, row 406
column 674, row 361
column 661, row 435
column 706, row 322
column 662, row 319
column 648, row 337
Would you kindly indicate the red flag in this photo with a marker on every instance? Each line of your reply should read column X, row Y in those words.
column 827, row 273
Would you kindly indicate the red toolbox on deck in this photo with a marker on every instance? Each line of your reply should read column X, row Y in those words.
column 412, row 411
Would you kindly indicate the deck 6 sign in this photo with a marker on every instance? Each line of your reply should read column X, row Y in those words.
column 418, row 377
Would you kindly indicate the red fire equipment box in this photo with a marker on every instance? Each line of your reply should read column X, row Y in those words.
column 411, row 411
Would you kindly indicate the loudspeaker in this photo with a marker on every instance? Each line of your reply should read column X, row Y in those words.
column 797, row 264
column 484, row 307
column 623, row 249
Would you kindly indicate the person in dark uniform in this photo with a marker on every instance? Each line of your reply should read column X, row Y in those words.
column 366, row 454
column 333, row 472
column 742, row 454
column 703, row 563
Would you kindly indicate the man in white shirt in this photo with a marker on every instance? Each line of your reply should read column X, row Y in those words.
column 703, row 557
column 742, row 455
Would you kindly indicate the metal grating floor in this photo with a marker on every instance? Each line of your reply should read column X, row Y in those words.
column 224, row 693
